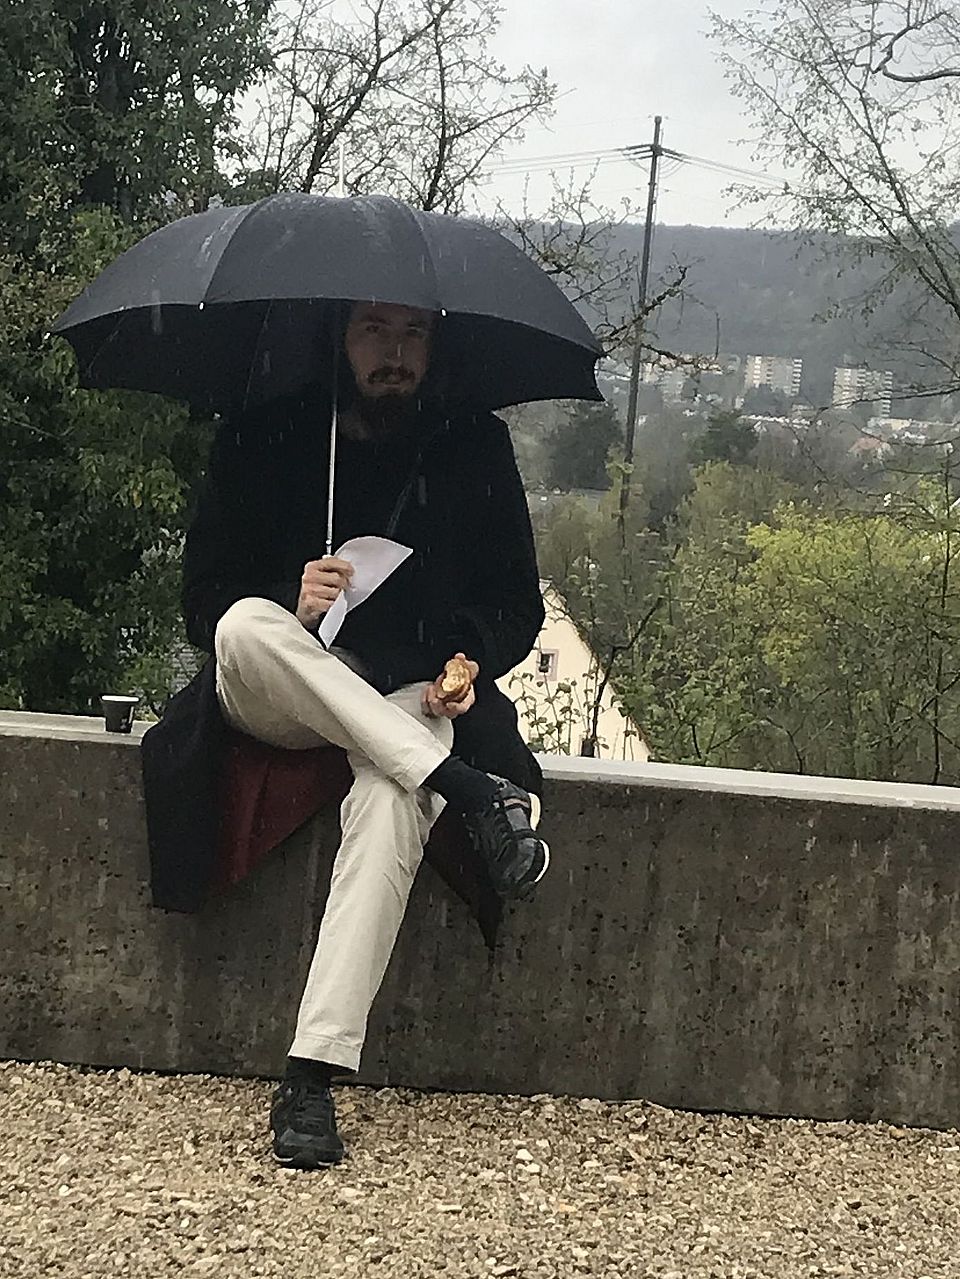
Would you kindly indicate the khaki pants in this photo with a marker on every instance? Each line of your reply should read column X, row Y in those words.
column 276, row 683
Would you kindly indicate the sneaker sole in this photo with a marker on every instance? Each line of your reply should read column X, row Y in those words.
column 299, row 1161
column 536, row 808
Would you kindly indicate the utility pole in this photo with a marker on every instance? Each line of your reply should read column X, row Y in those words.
column 655, row 155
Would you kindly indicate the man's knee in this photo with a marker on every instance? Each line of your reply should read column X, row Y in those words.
column 239, row 631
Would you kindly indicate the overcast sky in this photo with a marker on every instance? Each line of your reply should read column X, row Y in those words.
column 617, row 64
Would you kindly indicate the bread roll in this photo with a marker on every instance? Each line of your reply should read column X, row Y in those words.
column 455, row 681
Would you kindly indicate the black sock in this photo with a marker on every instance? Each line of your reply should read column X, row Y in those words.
column 304, row 1070
column 464, row 788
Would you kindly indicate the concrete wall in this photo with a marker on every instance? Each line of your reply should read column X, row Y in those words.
column 705, row 939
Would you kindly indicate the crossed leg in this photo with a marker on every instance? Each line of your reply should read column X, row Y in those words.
column 276, row 683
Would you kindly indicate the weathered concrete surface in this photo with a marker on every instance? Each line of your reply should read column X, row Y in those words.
column 790, row 951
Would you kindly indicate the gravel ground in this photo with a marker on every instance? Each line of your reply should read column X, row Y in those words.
column 118, row 1174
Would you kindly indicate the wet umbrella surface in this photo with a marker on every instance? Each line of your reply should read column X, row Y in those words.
column 236, row 306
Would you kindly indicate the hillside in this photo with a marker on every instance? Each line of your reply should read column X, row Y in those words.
column 774, row 296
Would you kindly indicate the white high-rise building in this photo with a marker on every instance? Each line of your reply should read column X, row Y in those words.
column 863, row 386
column 780, row 372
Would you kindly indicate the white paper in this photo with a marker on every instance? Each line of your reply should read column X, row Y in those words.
column 373, row 560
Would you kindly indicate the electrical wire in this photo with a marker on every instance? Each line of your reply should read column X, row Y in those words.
column 718, row 166
column 569, row 157
column 673, row 160
column 526, row 171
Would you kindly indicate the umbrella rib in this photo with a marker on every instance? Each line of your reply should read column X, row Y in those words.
column 254, row 208
column 411, row 217
column 256, row 348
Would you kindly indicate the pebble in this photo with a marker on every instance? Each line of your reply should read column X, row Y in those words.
column 455, row 1187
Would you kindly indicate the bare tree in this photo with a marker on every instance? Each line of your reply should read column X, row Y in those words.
column 860, row 100
column 573, row 240
column 408, row 87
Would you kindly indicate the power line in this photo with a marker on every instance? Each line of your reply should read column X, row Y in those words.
column 633, row 154
column 718, row 166
column 570, row 157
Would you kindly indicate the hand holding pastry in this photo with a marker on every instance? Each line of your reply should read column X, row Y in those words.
column 451, row 694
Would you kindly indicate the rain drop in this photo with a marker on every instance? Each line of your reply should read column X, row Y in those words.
column 200, row 306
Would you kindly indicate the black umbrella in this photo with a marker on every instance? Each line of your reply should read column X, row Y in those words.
column 232, row 307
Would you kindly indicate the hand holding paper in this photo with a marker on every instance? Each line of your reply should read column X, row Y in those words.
column 373, row 560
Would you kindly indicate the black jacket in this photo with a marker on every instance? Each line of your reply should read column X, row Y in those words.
column 452, row 491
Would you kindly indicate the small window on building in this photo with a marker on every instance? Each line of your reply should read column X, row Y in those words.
column 547, row 663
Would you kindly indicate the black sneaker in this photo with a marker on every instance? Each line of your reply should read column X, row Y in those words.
column 503, row 834
column 304, row 1126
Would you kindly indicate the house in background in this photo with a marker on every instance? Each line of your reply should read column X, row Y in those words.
column 555, row 690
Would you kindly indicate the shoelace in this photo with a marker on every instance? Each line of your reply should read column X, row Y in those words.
column 508, row 837
column 313, row 1104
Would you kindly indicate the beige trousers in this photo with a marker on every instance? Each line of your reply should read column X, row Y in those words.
column 276, row 683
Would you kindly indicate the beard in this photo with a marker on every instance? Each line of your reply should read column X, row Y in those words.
column 393, row 412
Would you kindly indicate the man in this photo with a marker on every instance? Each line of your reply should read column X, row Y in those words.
column 254, row 593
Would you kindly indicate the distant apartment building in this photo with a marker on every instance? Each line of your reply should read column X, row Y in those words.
column 780, row 373
column 853, row 386
column 669, row 378
column 672, row 374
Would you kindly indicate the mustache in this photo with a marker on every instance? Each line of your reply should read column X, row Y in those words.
column 385, row 375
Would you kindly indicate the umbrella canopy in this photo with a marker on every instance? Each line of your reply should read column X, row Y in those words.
column 233, row 307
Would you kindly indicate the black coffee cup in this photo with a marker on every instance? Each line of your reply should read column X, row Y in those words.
column 118, row 712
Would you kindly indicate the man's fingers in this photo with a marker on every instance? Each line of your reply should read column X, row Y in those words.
column 325, row 577
column 331, row 564
column 329, row 571
column 453, row 709
column 436, row 706
column 431, row 703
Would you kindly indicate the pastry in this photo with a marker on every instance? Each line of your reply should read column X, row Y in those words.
column 455, row 681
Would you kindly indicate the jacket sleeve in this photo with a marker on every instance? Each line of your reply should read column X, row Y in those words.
column 230, row 549
column 499, row 624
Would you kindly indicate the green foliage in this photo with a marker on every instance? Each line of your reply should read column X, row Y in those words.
column 663, row 458
column 579, row 449
column 92, row 501
column 112, row 119
column 728, row 497
column 785, row 628
column 118, row 105
column 850, row 635
column 727, row 439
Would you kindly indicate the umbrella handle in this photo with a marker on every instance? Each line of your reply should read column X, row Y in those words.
column 334, row 415
column 332, row 470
